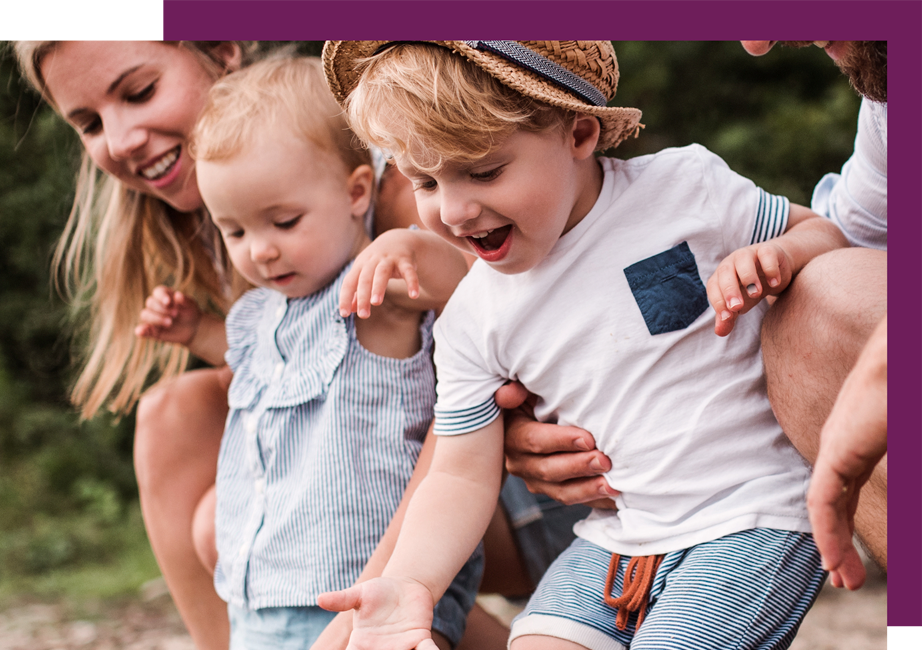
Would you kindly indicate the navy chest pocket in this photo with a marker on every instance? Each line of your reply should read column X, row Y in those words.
column 668, row 289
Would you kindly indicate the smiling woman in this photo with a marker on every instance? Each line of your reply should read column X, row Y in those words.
column 138, row 221
column 134, row 113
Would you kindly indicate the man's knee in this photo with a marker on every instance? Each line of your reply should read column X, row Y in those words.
column 834, row 302
column 813, row 334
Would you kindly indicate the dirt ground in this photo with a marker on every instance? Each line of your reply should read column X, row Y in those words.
column 839, row 621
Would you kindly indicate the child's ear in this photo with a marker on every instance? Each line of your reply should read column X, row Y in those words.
column 229, row 54
column 585, row 133
column 359, row 185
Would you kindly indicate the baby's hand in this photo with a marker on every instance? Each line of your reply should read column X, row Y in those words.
column 390, row 614
column 389, row 256
column 169, row 316
column 744, row 278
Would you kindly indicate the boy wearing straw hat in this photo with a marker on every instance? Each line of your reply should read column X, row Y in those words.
column 588, row 291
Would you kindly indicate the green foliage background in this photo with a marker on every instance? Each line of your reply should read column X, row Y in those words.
column 68, row 498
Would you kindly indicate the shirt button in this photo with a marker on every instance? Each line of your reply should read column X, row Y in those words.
column 260, row 485
column 243, row 552
column 279, row 368
column 280, row 311
column 251, row 423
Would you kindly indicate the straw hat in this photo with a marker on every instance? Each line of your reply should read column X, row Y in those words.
column 581, row 76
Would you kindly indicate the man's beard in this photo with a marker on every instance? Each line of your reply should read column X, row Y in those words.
column 865, row 65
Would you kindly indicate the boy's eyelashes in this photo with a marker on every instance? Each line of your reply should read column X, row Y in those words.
column 489, row 175
column 426, row 186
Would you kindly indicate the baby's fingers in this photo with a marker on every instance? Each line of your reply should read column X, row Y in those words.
column 155, row 317
column 147, row 332
column 747, row 276
column 163, row 295
column 774, row 266
column 407, row 271
column 385, row 271
column 366, row 288
column 347, row 294
column 725, row 307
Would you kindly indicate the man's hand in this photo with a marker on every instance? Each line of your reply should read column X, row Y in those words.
column 852, row 442
column 561, row 462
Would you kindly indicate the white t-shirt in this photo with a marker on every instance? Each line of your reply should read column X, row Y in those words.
column 682, row 413
column 856, row 200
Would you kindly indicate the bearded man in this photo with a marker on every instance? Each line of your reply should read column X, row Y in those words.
column 825, row 340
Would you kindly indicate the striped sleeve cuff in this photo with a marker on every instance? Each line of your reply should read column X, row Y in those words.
column 453, row 422
column 771, row 217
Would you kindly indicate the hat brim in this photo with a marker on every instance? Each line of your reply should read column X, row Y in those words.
column 617, row 123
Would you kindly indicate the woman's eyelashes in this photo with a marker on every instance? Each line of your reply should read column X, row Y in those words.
column 142, row 95
column 94, row 124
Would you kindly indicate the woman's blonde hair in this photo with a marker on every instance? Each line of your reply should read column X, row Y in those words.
column 117, row 245
column 431, row 106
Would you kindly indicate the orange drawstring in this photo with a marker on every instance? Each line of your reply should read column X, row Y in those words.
column 638, row 579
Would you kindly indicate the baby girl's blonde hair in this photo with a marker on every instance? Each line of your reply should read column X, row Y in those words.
column 284, row 90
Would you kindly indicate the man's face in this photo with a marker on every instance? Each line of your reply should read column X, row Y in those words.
column 863, row 62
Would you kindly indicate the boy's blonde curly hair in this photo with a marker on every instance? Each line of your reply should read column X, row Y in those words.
column 429, row 106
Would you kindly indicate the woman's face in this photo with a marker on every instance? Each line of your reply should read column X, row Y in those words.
column 134, row 105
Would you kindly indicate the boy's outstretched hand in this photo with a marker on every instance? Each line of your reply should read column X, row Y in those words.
column 169, row 316
column 744, row 278
column 390, row 256
column 390, row 614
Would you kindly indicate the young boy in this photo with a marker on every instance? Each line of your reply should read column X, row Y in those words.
column 327, row 414
column 588, row 291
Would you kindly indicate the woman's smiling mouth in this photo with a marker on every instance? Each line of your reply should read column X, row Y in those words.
column 161, row 167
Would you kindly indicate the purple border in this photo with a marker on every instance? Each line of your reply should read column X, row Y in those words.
column 899, row 22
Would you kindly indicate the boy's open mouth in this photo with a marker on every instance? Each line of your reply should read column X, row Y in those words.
column 493, row 241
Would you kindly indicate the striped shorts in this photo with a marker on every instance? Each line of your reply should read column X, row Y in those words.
column 746, row 591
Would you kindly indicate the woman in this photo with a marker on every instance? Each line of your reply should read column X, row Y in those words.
column 133, row 227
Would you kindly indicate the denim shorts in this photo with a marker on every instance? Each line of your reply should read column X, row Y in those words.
column 296, row 628
column 276, row 628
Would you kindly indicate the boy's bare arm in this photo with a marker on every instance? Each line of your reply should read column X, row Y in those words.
column 171, row 316
column 410, row 269
column 336, row 634
column 444, row 522
column 750, row 274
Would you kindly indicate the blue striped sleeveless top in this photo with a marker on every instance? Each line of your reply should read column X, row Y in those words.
column 319, row 444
